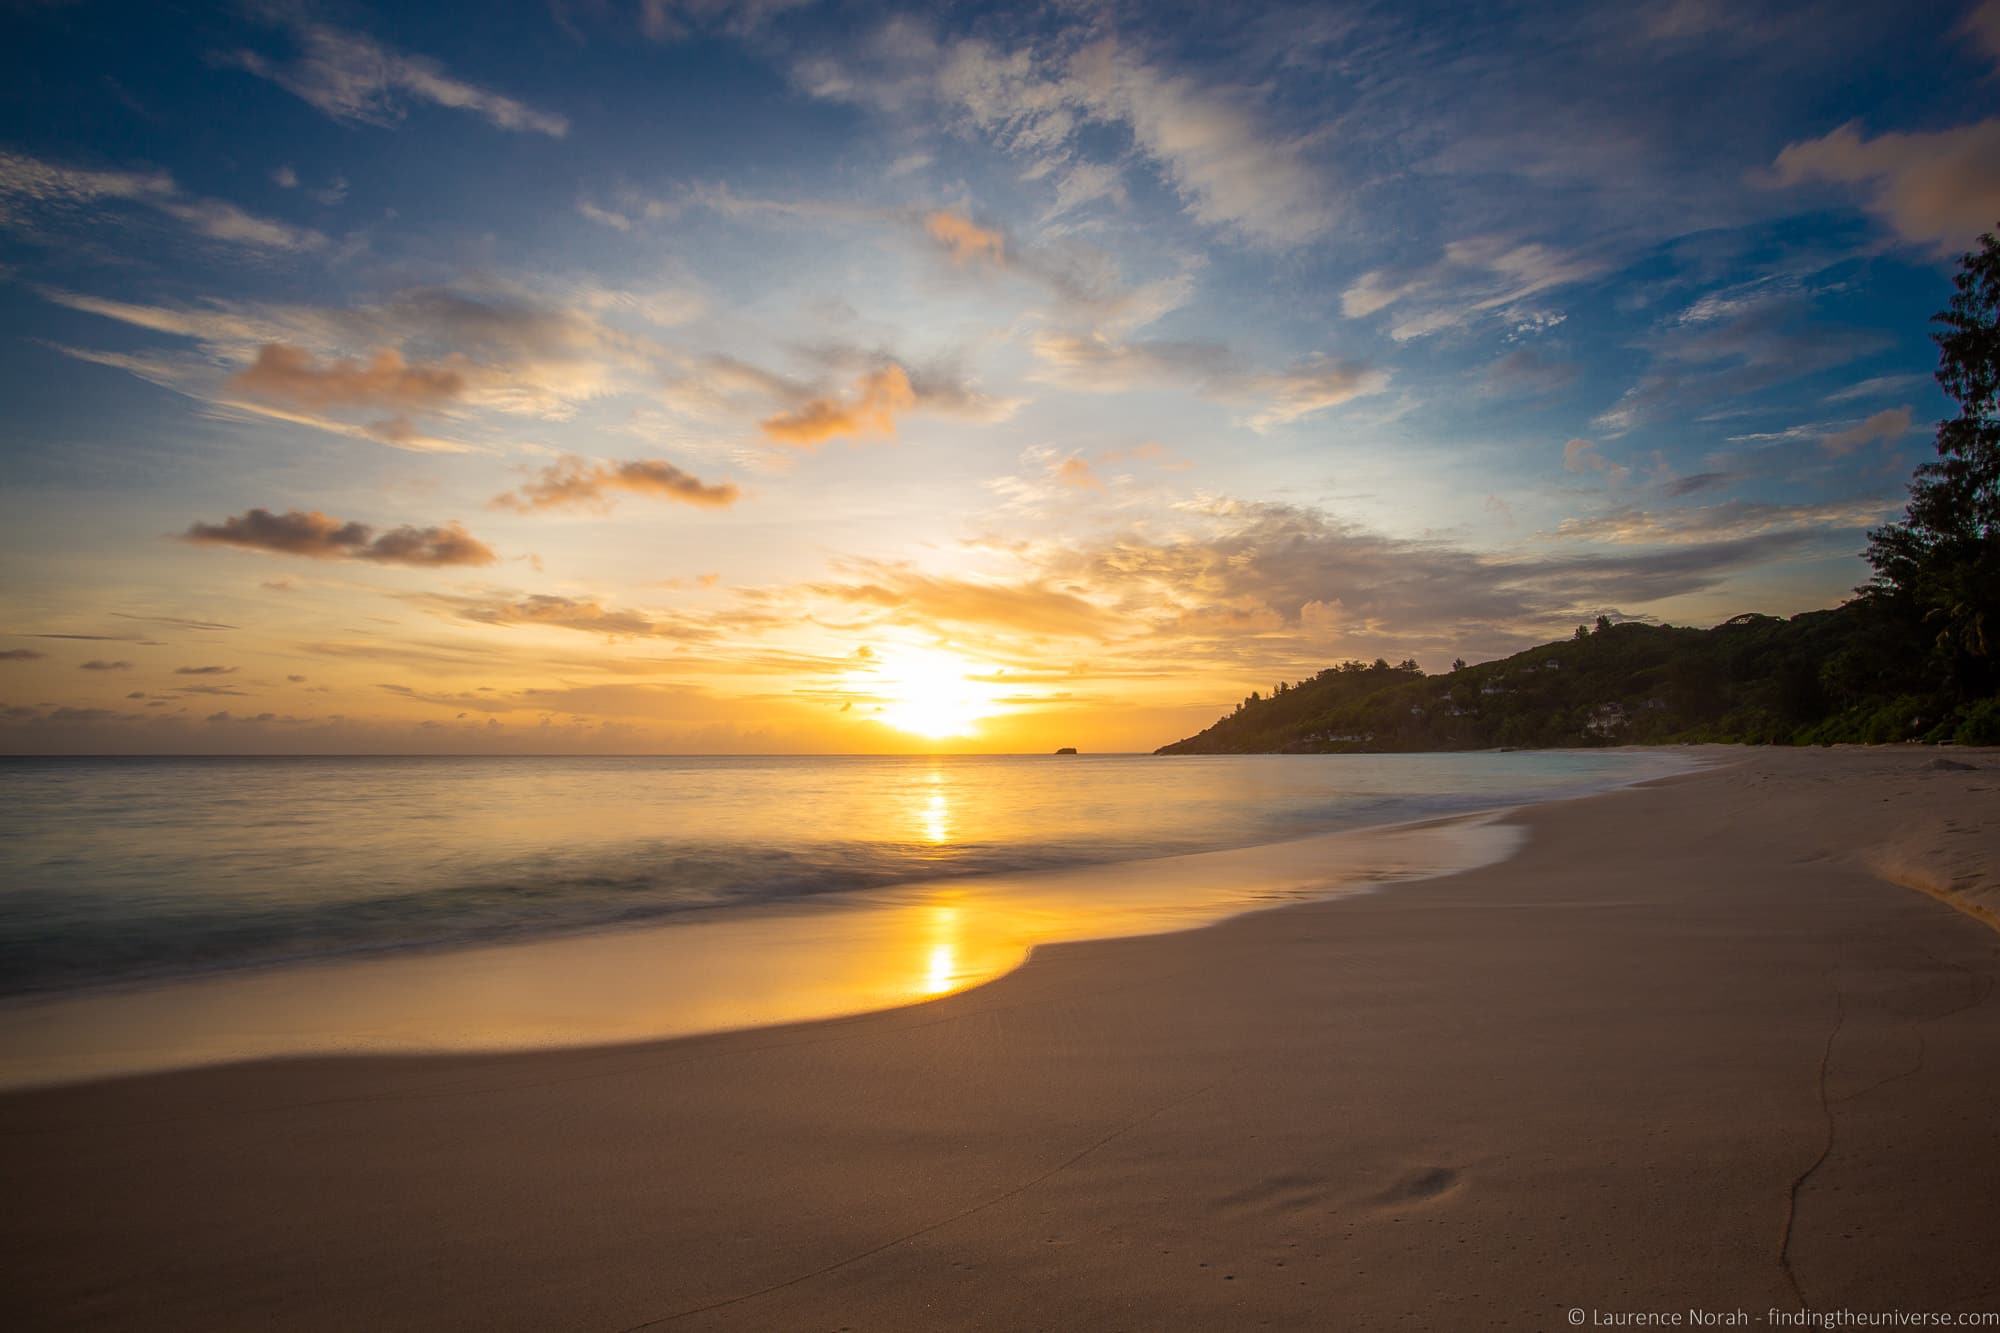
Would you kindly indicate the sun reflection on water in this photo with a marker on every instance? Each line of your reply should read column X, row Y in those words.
column 934, row 814
column 942, row 973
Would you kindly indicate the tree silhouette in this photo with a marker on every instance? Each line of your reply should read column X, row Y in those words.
column 1941, row 563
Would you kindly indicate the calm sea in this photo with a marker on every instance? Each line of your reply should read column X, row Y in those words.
column 127, row 869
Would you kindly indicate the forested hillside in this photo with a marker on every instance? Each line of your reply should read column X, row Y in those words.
column 1915, row 655
column 1821, row 677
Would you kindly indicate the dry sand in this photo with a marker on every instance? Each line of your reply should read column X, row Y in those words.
column 1691, row 1049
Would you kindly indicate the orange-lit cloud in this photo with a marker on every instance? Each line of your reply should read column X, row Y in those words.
column 317, row 536
column 880, row 397
column 965, row 240
column 1033, row 607
column 1582, row 456
column 580, row 483
column 1886, row 427
column 290, row 374
column 584, row 614
column 1939, row 189
column 1075, row 471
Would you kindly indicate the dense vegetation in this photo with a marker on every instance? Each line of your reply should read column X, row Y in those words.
column 1914, row 656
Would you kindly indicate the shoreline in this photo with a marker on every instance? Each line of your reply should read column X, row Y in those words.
column 873, row 881
column 876, row 950
column 1590, row 1075
column 866, row 951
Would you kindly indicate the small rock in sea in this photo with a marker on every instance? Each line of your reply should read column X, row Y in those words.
column 1067, row 749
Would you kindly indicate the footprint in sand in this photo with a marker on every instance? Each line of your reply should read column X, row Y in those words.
column 1419, row 1186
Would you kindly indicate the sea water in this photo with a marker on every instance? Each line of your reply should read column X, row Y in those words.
column 123, row 869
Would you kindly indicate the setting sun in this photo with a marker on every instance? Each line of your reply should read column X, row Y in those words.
column 929, row 692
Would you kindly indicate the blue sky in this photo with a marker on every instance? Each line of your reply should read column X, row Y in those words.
column 752, row 376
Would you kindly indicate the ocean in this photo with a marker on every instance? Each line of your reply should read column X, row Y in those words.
column 141, row 870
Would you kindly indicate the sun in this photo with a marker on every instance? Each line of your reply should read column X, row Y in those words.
column 931, row 693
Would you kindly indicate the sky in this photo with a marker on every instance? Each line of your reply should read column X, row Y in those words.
column 701, row 376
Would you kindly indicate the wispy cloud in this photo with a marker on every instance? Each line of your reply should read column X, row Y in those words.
column 1097, row 363
column 1211, row 143
column 34, row 192
column 1730, row 521
column 548, row 610
column 1478, row 278
column 353, row 77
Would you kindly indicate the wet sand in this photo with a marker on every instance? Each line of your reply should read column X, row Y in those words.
column 1700, row 1045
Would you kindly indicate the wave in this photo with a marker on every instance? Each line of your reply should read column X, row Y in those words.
column 165, row 919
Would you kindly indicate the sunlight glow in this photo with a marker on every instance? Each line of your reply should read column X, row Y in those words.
column 931, row 693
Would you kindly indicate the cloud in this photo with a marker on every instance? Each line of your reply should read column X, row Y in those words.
column 398, row 432
column 33, row 190
column 581, row 483
column 1311, row 385
column 586, row 615
column 1582, row 456
column 673, row 20
column 314, row 535
column 1250, row 582
column 1885, row 427
column 290, row 374
column 1076, row 473
column 1211, row 143
column 1730, row 344
column 940, row 387
column 1938, row 189
column 1698, row 482
column 1477, row 278
column 880, row 396
column 516, row 351
column 351, row 76
column 1730, row 521
column 205, row 671
column 1982, row 24
column 99, row 664
column 1231, row 170
column 965, row 240
column 20, row 655
column 1527, row 372
column 1097, row 363
column 923, row 601
column 1879, row 384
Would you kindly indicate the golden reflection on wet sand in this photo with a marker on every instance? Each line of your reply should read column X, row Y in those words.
column 720, row 971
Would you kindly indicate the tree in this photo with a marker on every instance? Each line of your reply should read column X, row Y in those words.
column 1941, row 563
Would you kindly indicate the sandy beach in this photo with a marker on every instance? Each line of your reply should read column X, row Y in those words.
column 1721, row 1042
